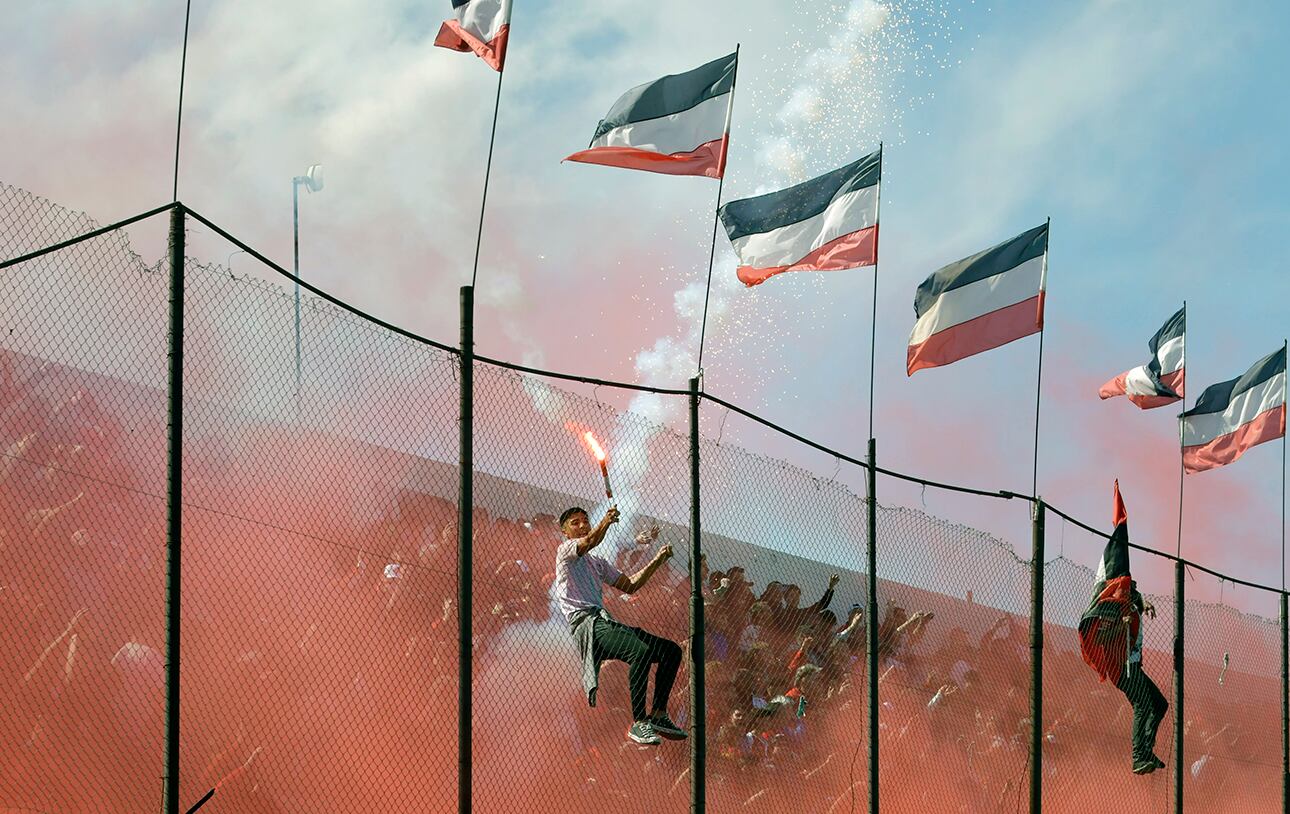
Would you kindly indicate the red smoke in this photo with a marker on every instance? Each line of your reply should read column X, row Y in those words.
column 319, row 653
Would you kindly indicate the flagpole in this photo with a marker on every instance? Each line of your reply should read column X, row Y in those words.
column 1182, row 464
column 1180, row 612
column 179, row 115
column 873, row 322
column 465, row 583
column 488, row 171
column 1039, row 374
column 1285, row 618
column 716, row 212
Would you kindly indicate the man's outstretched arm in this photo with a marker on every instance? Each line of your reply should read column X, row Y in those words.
column 597, row 534
column 827, row 599
column 632, row 584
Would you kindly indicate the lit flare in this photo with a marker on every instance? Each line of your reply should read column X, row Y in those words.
column 599, row 452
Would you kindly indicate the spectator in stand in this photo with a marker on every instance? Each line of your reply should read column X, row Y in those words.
column 791, row 617
column 852, row 634
column 899, row 629
column 717, row 584
column 634, row 559
column 739, row 594
column 772, row 596
column 1004, row 646
column 750, row 635
column 733, row 738
column 804, row 677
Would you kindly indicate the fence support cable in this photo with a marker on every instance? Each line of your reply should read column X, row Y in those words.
column 64, row 244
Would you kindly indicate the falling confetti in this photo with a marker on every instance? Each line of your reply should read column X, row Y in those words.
column 851, row 74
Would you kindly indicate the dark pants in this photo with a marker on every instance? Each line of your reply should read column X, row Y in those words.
column 639, row 649
column 1149, row 707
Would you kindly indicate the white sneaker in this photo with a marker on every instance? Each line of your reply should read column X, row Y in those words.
column 643, row 732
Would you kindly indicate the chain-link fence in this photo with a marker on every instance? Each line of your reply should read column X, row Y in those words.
column 319, row 584
column 82, row 514
column 786, row 552
column 319, row 618
column 1232, row 742
column 953, row 686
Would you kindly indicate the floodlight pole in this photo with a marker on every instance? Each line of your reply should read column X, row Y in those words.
column 295, row 266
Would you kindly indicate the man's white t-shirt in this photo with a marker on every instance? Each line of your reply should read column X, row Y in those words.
column 578, row 579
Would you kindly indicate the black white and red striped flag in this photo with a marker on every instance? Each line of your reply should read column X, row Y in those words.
column 828, row 223
column 481, row 26
column 1160, row 381
column 980, row 302
column 677, row 125
column 1104, row 639
column 1232, row 416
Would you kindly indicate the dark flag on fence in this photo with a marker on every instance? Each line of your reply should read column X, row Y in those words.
column 825, row 224
column 1104, row 638
column 1232, row 416
column 980, row 302
column 677, row 125
column 1160, row 381
column 481, row 26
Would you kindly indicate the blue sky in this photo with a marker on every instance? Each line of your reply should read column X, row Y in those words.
column 1151, row 132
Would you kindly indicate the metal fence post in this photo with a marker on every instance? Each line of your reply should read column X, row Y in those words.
column 698, row 687
column 1037, row 656
column 465, row 558
column 174, row 505
column 1285, row 708
column 871, row 629
column 1179, row 719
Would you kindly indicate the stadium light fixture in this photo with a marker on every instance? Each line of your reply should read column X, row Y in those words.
column 312, row 181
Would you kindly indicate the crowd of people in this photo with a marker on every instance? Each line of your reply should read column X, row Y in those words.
column 320, row 673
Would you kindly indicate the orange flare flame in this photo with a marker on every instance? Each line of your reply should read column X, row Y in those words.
column 594, row 446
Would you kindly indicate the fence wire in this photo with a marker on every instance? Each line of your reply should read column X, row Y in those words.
column 954, row 669
column 320, row 572
column 82, row 548
column 319, row 618
column 539, row 744
column 786, row 552
column 1232, row 745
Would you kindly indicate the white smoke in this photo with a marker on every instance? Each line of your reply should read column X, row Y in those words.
column 547, row 400
column 503, row 293
column 844, row 82
column 831, row 74
column 841, row 97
